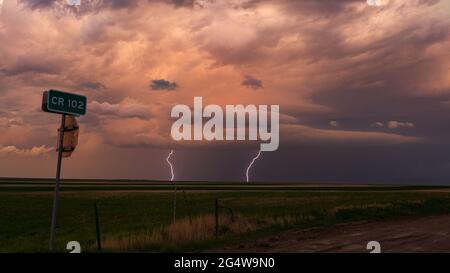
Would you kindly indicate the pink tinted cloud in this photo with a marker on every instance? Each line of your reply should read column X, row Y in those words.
column 307, row 55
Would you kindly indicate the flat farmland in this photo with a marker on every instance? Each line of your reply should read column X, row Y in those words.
column 139, row 215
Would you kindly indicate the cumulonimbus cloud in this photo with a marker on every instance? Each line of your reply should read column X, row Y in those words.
column 319, row 60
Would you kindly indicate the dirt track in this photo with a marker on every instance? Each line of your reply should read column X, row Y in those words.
column 428, row 234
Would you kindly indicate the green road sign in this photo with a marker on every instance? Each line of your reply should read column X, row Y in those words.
column 55, row 101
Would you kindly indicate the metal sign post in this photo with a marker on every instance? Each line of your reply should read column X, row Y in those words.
column 59, row 102
column 58, row 176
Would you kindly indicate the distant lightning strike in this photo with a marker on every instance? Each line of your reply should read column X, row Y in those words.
column 251, row 164
column 170, row 165
column 172, row 176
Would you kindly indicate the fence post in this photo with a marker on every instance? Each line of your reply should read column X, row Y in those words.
column 188, row 205
column 175, row 204
column 216, row 212
column 97, row 228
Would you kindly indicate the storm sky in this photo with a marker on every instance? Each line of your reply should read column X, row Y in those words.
column 363, row 86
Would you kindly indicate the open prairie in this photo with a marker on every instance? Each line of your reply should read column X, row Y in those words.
column 139, row 215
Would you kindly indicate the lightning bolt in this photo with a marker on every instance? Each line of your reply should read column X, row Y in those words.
column 251, row 164
column 170, row 165
column 172, row 176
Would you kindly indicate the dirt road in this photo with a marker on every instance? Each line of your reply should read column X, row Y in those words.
column 428, row 234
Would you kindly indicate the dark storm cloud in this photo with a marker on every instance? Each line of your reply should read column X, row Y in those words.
column 391, row 77
column 251, row 82
column 340, row 164
column 391, row 85
column 425, row 164
column 163, row 85
column 96, row 86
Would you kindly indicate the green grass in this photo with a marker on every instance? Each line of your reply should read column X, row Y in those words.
column 25, row 217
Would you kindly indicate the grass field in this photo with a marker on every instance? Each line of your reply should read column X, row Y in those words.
column 137, row 215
